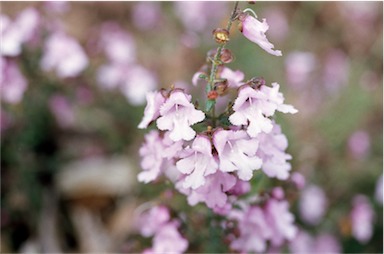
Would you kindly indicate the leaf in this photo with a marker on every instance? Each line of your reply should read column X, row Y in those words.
column 209, row 104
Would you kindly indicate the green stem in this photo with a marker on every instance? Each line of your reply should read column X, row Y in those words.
column 210, row 104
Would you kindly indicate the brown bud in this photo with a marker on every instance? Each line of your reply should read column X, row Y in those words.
column 221, row 35
column 221, row 87
column 212, row 95
column 256, row 82
column 226, row 56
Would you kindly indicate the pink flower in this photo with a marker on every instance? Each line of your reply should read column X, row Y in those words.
column 177, row 115
column 152, row 110
column 62, row 111
column 64, row 54
column 197, row 162
column 237, row 152
column 298, row 180
column 358, row 144
column 234, row 78
column 254, row 30
column 212, row 193
column 169, row 240
column 253, row 107
column 272, row 152
column 12, row 82
column 298, row 68
column 146, row 15
column 362, row 217
column 280, row 220
column 305, row 243
column 313, row 204
column 151, row 221
column 156, row 154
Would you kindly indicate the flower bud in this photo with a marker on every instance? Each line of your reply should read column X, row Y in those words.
column 226, row 56
column 212, row 95
column 221, row 35
column 256, row 82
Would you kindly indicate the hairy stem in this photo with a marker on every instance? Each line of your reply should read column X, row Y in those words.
column 210, row 104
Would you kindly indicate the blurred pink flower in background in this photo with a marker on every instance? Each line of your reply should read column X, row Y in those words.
column 313, row 204
column 336, row 70
column 62, row 111
column 362, row 218
column 298, row 179
column 152, row 110
column 379, row 190
column 63, row 54
column 359, row 144
column 234, row 78
column 146, row 15
column 12, row 82
column 57, row 7
column 299, row 66
column 323, row 243
column 278, row 23
column 22, row 30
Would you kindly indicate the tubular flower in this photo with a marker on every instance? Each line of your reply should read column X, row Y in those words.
column 254, row 30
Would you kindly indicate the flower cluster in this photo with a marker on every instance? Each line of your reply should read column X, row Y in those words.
column 211, row 158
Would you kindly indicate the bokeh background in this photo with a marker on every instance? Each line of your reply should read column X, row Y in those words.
column 69, row 137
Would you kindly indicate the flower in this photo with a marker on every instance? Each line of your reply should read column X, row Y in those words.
column 359, row 144
column 237, row 152
column 169, row 240
column 152, row 220
column 177, row 115
column 197, row 162
column 12, row 82
column 156, row 153
column 253, row 107
column 63, row 53
column 254, row 30
column 234, row 78
column 362, row 217
column 272, row 152
column 152, row 110
column 313, row 204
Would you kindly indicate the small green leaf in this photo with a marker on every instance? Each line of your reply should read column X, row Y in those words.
column 209, row 104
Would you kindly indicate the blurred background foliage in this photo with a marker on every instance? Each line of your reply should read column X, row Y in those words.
column 74, row 188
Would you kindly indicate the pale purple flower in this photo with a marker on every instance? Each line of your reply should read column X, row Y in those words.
column 21, row 30
column 254, row 230
column 169, row 240
column 241, row 187
column 379, row 190
column 118, row 44
column 237, row 152
column 327, row 243
column 278, row 22
column 280, row 220
column 336, row 70
column 146, row 15
column 177, row 115
column 56, row 6
column 298, row 67
column 313, row 204
column 359, row 144
column 156, row 153
column 234, row 78
column 151, row 221
column 197, row 162
column 62, row 111
column 255, row 106
column 138, row 82
column 254, row 30
column 12, row 82
column 212, row 193
column 271, row 150
column 64, row 54
column 298, row 179
column 305, row 243
column 152, row 110
column 362, row 218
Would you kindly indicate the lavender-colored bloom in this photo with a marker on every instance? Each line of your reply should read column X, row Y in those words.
column 254, row 30
column 14, row 34
column 313, row 204
column 151, row 221
column 298, row 67
column 56, row 6
column 359, row 144
column 152, row 110
column 12, row 82
column 155, row 153
column 280, row 220
column 177, row 115
column 197, row 162
column 379, row 190
column 117, row 44
column 237, row 152
column 278, row 22
column 169, row 240
column 234, row 78
column 64, row 54
column 254, row 106
column 336, row 70
column 212, row 193
column 298, row 179
column 305, row 243
column 62, row 111
column 326, row 243
column 272, row 148
column 241, row 187
column 146, row 15
column 362, row 217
